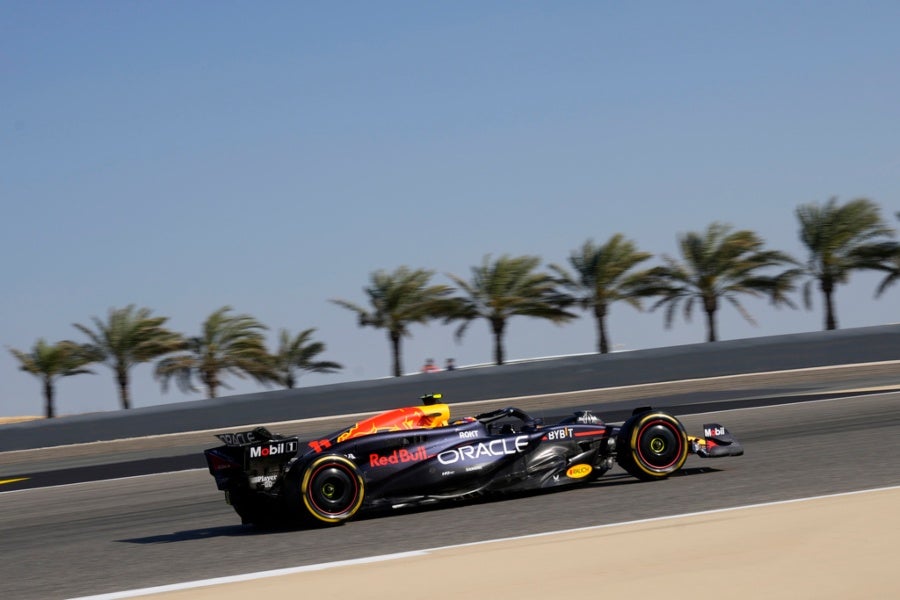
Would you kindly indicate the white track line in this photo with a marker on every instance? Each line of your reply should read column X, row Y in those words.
column 789, row 404
column 388, row 557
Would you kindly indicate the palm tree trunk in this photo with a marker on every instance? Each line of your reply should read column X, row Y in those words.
column 711, row 326
column 497, row 326
column 49, row 409
column 212, row 384
column 395, row 353
column 830, row 318
column 602, row 341
column 124, row 397
column 710, row 306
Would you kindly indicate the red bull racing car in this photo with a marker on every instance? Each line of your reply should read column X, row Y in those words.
column 416, row 455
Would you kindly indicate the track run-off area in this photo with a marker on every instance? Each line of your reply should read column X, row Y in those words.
column 818, row 483
column 852, row 557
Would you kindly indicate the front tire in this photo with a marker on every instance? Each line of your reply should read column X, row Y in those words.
column 652, row 445
column 332, row 489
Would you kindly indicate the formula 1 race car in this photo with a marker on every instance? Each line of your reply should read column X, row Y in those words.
column 416, row 455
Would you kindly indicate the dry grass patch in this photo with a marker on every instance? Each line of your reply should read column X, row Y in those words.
column 6, row 420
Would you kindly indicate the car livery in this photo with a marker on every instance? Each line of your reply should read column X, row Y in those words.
column 417, row 455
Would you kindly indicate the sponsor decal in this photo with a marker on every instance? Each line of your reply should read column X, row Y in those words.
column 714, row 430
column 263, row 478
column 238, row 439
column 579, row 471
column 559, row 434
column 319, row 445
column 590, row 432
column 468, row 434
column 397, row 457
column 493, row 448
column 263, row 481
column 273, row 449
column 219, row 462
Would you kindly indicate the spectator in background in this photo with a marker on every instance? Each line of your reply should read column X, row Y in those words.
column 430, row 367
column 451, row 365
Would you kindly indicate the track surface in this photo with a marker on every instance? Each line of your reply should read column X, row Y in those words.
column 112, row 535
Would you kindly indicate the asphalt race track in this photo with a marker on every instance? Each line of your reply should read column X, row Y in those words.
column 120, row 534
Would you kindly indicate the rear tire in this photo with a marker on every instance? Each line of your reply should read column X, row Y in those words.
column 652, row 445
column 332, row 489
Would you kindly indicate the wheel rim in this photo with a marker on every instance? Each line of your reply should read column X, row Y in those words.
column 333, row 489
column 329, row 490
column 660, row 445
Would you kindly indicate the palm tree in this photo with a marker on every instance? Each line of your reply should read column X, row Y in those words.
column 893, row 271
column 229, row 344
column 504, row 288
column 719, row 264
column 298, row 353
column 49, row 362
column 129, row 336
column 842, row 239
column 604, row 275
column 398, row 300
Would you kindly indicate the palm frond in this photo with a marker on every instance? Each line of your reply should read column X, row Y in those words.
column 719, row 263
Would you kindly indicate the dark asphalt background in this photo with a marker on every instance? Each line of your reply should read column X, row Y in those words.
column 755, row 355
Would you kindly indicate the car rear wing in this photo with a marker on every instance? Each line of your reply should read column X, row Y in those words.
column 245, row 438
column 245, row 448
column 255, row 459
column 260, row 443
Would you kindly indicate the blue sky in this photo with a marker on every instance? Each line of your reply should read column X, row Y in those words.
column 269, row 156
